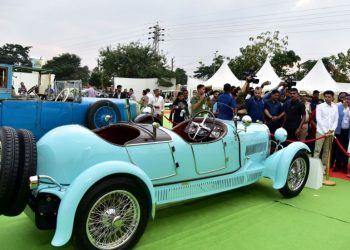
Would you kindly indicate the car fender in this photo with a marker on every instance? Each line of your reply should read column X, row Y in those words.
column 81, row 184
column 277, row 164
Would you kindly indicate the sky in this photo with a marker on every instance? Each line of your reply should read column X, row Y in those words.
column 193, row 29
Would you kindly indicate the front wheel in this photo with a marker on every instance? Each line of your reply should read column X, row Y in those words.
column 298, row 173
column 112, row 215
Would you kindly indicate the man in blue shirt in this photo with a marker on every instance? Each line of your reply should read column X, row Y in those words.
column 274, row 112
column 255, row 106
column 226, row 104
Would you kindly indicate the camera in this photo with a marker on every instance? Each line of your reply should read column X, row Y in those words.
column 290, row 82
column 250, row 77
column 208, row 92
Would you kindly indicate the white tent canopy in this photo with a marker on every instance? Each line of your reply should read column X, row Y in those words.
column 267, row 73
column 318, row 79
column 192, row 83
column 222, row 76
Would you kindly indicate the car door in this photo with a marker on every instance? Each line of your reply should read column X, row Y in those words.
column 155, row 159
column 209, row 157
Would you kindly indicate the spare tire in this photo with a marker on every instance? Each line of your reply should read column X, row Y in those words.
column 27, row 168
column 9, row 151
column 98, row 112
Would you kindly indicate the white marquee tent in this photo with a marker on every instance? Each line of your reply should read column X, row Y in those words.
column 318, row 79
column 222, row 76
column 192, row 83
column 267, row 73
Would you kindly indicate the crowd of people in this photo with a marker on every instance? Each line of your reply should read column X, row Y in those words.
column 303, row 116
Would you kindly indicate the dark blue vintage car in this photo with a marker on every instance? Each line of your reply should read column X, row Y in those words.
column 40, row 115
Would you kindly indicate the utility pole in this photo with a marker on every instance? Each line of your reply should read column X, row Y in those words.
column 172, row 63
column 215, row 60
column 156, row 34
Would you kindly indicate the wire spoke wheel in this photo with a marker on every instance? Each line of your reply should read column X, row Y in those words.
column 297, row 174
column 104, row 116
column 113, row 219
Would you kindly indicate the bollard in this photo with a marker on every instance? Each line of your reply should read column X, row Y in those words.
column 327, row 181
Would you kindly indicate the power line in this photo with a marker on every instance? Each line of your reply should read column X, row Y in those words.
column 252, row 17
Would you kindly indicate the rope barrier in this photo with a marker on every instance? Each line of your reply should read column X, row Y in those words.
column 172, row 122
column 341, row 147
column 305, row 141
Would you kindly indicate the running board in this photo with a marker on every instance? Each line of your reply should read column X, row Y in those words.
column 204, row 187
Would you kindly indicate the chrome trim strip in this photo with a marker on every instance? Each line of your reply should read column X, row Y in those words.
column 164, row 177
column 145, row 143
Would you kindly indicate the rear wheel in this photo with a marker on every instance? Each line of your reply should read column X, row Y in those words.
column 297, row 175
column 27, row 168
column 103, row 113
column 112, row 215
column 9, row 158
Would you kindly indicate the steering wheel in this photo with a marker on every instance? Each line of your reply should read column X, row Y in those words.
column 64, row 93
column 32, row 90
column 200, row 131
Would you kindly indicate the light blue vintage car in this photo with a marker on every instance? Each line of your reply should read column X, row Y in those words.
column 99, row 188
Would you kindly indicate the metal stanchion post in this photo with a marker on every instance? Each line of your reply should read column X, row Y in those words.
column 327, row 181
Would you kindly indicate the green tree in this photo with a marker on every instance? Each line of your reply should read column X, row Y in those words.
column 96, row 78
column 282, row 61
column 206, row 71
column 68, row 67
column 181, row 77
column 339, row 66
column 135, row 61
column 16, row 54
column 303, row 69
column 254, row 55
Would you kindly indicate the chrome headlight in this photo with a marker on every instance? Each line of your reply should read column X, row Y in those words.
column 281, row 135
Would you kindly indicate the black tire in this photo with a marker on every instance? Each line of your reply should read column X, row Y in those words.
column 27, row 168
column 295, row 184
column 8, row 166
column 103, row 192
column 98, row 111
column 147, row 119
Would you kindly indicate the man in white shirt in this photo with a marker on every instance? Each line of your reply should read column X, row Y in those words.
column 150, row 96
column 158, row 104
column 327, row 121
